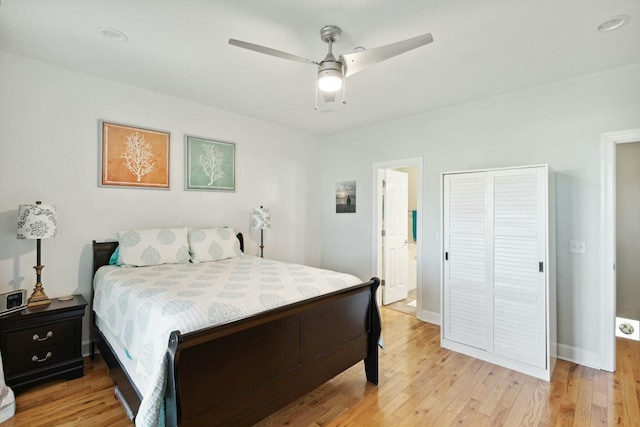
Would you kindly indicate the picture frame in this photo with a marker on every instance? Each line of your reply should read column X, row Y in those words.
column 346, row 197
column 133, row 156
column 210, row 165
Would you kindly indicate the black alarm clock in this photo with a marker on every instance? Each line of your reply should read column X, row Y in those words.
column 13, row 301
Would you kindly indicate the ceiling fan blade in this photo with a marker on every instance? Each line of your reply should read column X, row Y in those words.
column 269, row 51
column 358, row 61
column 329, row 96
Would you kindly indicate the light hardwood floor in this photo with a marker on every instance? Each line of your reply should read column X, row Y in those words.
column 420, row 385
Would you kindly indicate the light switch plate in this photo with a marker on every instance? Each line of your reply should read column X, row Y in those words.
column 577, row 246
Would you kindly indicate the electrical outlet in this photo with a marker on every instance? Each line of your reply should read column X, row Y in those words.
column 577, row 246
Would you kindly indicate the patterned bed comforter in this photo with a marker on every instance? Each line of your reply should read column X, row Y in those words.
column 143, row 305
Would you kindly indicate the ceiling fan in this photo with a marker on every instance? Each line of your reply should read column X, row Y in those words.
column 331, row 70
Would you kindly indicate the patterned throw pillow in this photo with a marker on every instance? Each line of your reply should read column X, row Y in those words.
column 213, row 244
column 155, row 246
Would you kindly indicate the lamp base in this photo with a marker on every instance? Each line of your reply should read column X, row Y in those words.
column 41, row 303
column 261, row 243
column 38, row 297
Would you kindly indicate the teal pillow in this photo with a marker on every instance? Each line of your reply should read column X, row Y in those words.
column 114, row 257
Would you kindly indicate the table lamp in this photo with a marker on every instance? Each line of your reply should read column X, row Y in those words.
column 37, row 222
column 261, row 220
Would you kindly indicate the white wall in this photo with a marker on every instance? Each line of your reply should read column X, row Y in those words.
column 559, row 124
column 628, row 230
column 49, row 151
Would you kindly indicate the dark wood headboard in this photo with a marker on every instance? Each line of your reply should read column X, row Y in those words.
column 102, row 252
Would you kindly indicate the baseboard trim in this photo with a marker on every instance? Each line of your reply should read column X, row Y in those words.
column 86, row 348
column 565, row 352
column 430, row 317
column 579, row 356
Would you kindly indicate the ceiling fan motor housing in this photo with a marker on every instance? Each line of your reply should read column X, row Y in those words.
column 330, row 33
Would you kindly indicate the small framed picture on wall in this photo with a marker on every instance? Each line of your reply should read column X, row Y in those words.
column 346, row 197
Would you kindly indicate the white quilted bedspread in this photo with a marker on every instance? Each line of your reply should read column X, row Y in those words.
column 143, row 305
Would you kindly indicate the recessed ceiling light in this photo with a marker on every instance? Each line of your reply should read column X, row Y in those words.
column 112, row 34
column 613, row 23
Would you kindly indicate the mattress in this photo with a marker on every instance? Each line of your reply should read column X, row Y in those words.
column 137, row 308
column 126, row 362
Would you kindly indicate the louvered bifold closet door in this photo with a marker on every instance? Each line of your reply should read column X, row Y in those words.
column 465, row 292
column 519, row 235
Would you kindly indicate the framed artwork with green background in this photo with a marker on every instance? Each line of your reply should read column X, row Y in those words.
column 210, row 165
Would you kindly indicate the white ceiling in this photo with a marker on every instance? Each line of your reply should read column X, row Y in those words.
column 481, row 48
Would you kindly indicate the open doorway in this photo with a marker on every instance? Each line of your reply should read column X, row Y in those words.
column 628, row 241
column 613, row 264
column 397, row 252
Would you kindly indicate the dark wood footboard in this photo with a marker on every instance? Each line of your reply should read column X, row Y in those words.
column 237, row 374
column 241, row 372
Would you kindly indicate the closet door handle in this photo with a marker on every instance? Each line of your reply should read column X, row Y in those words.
column 446, row 256
column 541, row 267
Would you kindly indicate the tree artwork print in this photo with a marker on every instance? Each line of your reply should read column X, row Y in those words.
column 134, row 157
column 210, row 165
column 211, row 161
column 138, row 157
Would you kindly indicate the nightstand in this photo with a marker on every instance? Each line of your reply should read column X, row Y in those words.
column 41, row 343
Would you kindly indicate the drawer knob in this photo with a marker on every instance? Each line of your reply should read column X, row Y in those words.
column 36, row 337
column 47, row 356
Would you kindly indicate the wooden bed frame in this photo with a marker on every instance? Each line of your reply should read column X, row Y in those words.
column 239, row 373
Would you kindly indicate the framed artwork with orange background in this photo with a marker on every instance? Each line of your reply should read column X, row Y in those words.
column 133, row 156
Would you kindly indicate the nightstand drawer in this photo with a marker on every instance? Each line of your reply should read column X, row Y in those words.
column 38, row 358
column 40, row 336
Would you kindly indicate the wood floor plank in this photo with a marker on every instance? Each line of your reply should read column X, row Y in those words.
column 598, row 416
column 558, row 412
column 625, row 361
column 492, row 392
column 573, row 383
column 585, row 398
column 421, row 384
column 600, row 388
column 528, row 408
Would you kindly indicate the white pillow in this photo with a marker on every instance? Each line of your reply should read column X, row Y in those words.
column 213, row 244
column 153, row 246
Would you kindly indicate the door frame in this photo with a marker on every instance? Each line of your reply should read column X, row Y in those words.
column 376, row 255
column 609, row 141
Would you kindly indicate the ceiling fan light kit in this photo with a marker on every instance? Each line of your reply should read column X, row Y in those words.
column 329, row 79
column 332, row 71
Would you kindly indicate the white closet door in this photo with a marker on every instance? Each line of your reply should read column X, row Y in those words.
column 519, row 235
column 465, row 292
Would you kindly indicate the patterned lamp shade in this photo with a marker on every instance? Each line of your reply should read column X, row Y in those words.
column 260, row 218
column 37, row 221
